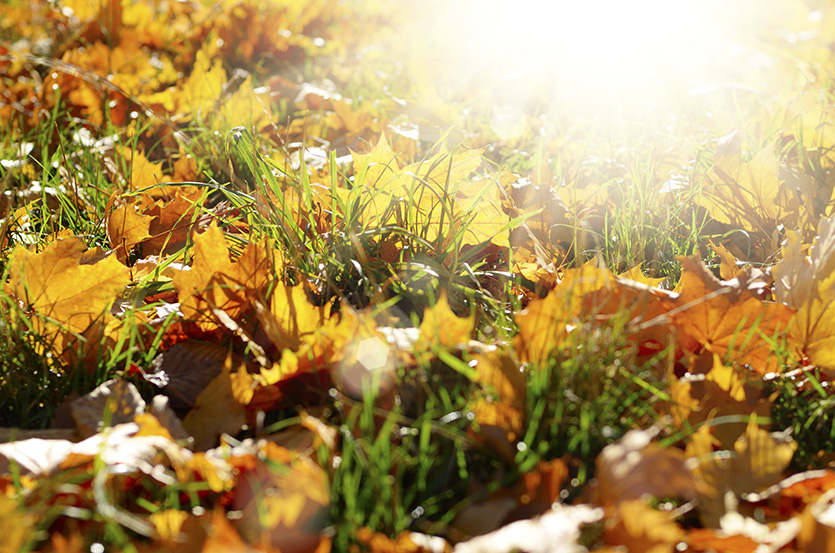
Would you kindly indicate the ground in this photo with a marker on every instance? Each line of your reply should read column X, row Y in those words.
column 404, row 276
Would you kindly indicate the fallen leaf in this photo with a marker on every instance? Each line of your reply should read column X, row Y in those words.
column 728, row 268
column 723, row 392
column 638, row 527
column 441, row 327
column 73, row 544
column 807, row 283
column 710, row 539
column 501, row 417
column 16, row 525
column 115, row 402
column 185, row 369
column 635, row 468
column 727, row 319
column 216, row 411
column 636, row 274
column 216, row 282
column 761, row 458
column 757, row 462
column 405, row 542
column 594, row 297
column 198, row 95
column 545, row 324
column 222, row 537
column 117, row 445
column 167, row 523
column 817, row 531
column 283, row 501
column 748, row 194
column 292, row 319
column 126, row 229
column 68, row 297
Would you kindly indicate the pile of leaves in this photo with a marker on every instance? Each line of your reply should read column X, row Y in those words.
column 270, row 284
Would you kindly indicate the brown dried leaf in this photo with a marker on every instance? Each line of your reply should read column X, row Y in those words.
column 115, row 402
column 185, row 369
column 634, row 468
column 216, row 411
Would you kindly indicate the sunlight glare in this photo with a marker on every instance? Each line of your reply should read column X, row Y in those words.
column 606, row 53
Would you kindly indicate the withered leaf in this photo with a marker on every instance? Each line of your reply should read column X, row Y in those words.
column 635, row 468
column 216, row 411
column 215, row 281
column 727, row 319
column 441, row 327
column 723, row 392
column 68, row 296
column 639, row 527
column 115, row 402
column 807, row 283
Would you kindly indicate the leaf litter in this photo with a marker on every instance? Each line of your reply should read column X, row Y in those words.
column 315, row 302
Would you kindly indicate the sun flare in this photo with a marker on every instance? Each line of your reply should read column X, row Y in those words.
column 607, row 56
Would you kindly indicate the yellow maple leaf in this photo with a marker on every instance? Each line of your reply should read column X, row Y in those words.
column 442, row 327
column 126, row 228
column 379, row 171
column 244, row 107
column 748, row 194
column 445, row 169
column 291, row 492
column 294, row 317
column 638, row 527
column 222, row 537
column 16, row 525
column 68, row 296
column 167, row 523
column 635, row 467
column 502, row 418
column 807, row 283
column 728, row 268
column 203, row 87
column 723, row 392
column 434, row 197
column 545, row 324
column 636, row 274
column 480, row 214
column 215, row 282
column 144, row 174
column 173, row 221
column 759, row 461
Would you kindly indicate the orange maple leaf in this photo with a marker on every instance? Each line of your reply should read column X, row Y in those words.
column 728, row 319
